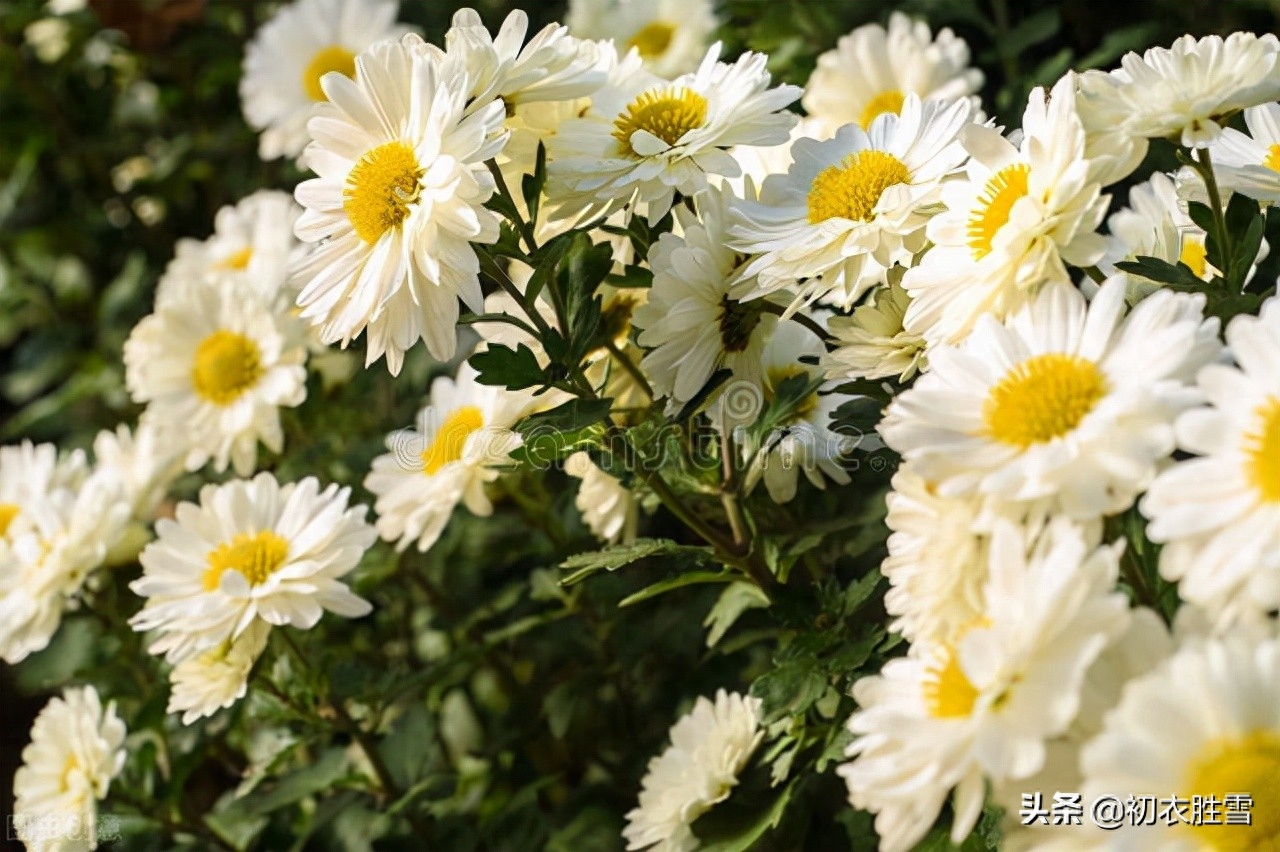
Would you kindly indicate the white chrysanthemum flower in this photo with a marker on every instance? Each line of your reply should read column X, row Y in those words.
column 806, row 442
column 553, row 66
column 710, row 746
column 54, row 544
column 252, row 240
column 690, row 325
column 950, row 716
column 1156, row 224
column 1010, row 228
column 31, row 472
column 1064, row 403
column 1205, row 723
column 215, row 364
column 76, row 749
column 873, row 344
column 289, row 55
column 609, row 508
column 1218, row 516
column 448, row 459
column 1184, row 92
column 1250, row 164
column 146, row 461
column 873, row 69
column 398, row 201
column 251, row 550
column 671, row 36
column 646, row 139
column 849, row 207
column 218, row 677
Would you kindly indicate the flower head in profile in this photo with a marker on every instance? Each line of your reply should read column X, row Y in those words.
column 645, row 139
column 289, row 55
column 850, row 207
column 671, row 36
column 872, row 70
column 398, row 201
column 217, row 678
column 1250, row 163
column 76, row 749
column 710, row 746
column 1185, row 92
column 215, row 364
column 251, row 551
column 609, row 508
column 873, row 343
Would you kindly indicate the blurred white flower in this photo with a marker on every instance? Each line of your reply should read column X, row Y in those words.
column 671, row 36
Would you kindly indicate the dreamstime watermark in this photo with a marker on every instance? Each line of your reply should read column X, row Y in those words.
column 53, row 827
column 800, row 444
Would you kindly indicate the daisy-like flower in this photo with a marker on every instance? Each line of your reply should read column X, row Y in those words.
column 50, row 549
column 1156, row 224
column 145, row 460
column 448, row 459
column 710, row 746
column 646, row 138
column 1223, row 740
column 872, row 343
column 609, row 508
column 1010, row 228
column 690, row 325
column 873, row 69
column 399, row 198
column 950, row 716
column 215, row 365
column 1184, row 92
column 252, row 240
column 216, row 678
column 1218, row 516
column 671, row 36
column 1250, row 164
column 849, row 207
column 289, row 55
column 1065, row 404
column 251, row 551
column 553, row 66
column 76, row 749
column 29, row 473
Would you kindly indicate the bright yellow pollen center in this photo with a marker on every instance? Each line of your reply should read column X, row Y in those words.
column 1262, row 451
column 995, row 204
column 667, row 113
column 255, row 555
column 890, row 101
column 851, row 188
column 8, row 511
column 331, row 58
column 1272, row 160
column 449, row 442
column 239, row 260
column 1195, row 255
column 380, row 189
column 1248, row 765
column 947, row 690
column 1043, row 398
column 226, row 365
column 652, row 39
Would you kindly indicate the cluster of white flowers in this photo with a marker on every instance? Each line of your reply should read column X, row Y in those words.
column 894, row 233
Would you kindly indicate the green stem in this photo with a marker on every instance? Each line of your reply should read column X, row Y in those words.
column 525, row 229
column 1204, row 165
column 806, row 321
column 630, row 366
column 504, row 281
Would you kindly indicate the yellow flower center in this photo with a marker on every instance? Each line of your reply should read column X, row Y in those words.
column 1262, row 449
column 69, row 767
column 1272, row 160
column 995, row 204
column 449, row 442
column 255, row 555
column 331, row 58
column 889, row 101
column 1195, row 255
column 1248, row 765
column 227, row 364
column 8, row 511
column 652, row 39
column 947, row 691
column 380, row 189
column 239, row 260
column 668, row 113
column 1043, row 398
column 852, row 188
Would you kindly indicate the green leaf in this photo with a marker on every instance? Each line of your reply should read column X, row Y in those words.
column 858, row 416
column 678, row 582
column 736, row 599
column 790, row 689
column 746, row 837
column 531, row 185
column 583, row 565
column 570, row 417
column 1179, row 275
column 1031, row 30
column 316, row 776
column 513, row 369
